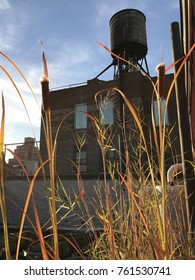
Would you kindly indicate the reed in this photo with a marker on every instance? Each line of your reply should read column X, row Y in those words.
column 137, row 221
column 48, row 250
column 51, row 154
column 158, row 229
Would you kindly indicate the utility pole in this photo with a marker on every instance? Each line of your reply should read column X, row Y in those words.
column 184, row 127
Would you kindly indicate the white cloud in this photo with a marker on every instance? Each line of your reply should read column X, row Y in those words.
column 7, row 35
column 16, row 119
column 33, row 78
column 11, row 33
column 13, row 25
column 7, row 29
column 17, row 123
column 103, row 13
column 69, row 63
column 4, row 5
column 16, row 111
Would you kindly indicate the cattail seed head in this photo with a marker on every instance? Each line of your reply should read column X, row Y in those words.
column 45, row 94
column 161, row 79
column 45, row 86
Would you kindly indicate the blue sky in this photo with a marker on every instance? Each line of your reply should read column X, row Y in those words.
column 69, row 31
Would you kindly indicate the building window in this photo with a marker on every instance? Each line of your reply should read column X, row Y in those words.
column 106, row 112
column 81, row 161
column 156, row 113
column 80, row 117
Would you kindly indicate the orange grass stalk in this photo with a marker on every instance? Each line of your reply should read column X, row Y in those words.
column 161, row 92
column 51, row 154
column 160, row 146
column 30, row 191
column 38, row 229
column 183, row 61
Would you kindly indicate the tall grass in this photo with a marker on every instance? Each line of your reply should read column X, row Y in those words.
column 51, row 155
column 48, row 250
column 36, row 228
column 137, row 221
column 161, row 234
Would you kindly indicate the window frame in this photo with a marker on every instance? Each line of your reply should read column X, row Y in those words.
column 155, row 112
column 81, row 161
column 106, row 117
column 80, row 117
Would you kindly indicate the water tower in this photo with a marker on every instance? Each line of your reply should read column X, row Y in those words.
column 128, row 40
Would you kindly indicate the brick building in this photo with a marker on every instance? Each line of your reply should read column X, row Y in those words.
column 28, row 153
column 77, row 137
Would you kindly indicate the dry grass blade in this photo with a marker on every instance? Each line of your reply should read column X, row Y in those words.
column 184, row 59
column 129, row 189
column 20, row 163
column 159, row 252
column 2, row 187
column 81, row 195
column 26, row 207
column 82, row 189
column 20, row 72
column 51, row 154
column 39, row 231
column 73, row 245
column 15, row 86
column 2, row 126
column 119, row 57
